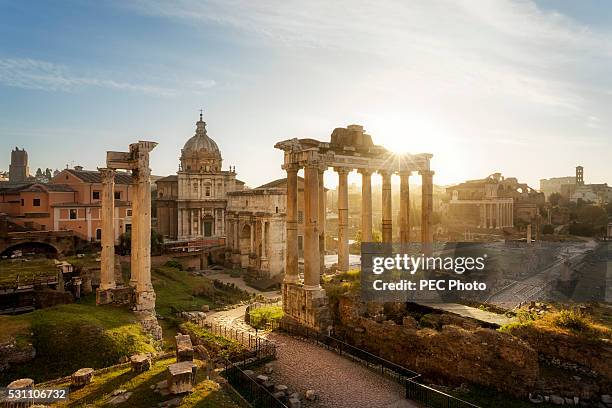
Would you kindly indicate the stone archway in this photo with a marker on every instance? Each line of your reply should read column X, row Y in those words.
column 36, row 247
column 244, row 244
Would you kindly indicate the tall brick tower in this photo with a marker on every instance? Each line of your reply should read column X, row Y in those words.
column 579, row 176
column 18, row 169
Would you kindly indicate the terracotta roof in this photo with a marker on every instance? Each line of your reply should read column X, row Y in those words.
column 172, row 177
column 60, row 188
column 94, row 176
column 278, row 183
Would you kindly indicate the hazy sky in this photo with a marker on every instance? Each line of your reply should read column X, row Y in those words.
column 524, row 88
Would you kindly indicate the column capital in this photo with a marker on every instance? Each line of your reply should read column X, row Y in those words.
column 385, row 173
column 342, row 170
column 405, row 173
column 365, row 172
column 292, row 167
column 107, row 174
column 426, row 172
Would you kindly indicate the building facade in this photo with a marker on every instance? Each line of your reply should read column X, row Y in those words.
column 191, row 205
column 70, row 202
column 256, row 227
column 494, row 202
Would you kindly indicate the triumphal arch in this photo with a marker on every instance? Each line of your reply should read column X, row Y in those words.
column 349, row 149
column 142, row 295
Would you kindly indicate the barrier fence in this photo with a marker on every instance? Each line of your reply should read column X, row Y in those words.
column 415, row 391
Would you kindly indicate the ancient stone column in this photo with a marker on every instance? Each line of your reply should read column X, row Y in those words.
column 135, row 250
column 404, row 206
column 311, row 229
column 427, row 206
column 263, row 240
column 252, row 230
column 291, row 260
column 366, row 205
column 343, row 244
column 387, row 221
column 145, row 295
column 107, row 262
column 322, row 216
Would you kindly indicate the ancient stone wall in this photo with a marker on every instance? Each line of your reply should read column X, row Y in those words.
column 452, row 354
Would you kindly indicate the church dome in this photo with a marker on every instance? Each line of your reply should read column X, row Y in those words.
column 200, row 142
column 200, row 153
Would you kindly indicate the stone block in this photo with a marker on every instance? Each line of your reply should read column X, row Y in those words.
column 184, row 348
column 262, row 378
column 280, row 387
column 294, row 403
column 104, row 297
column 140, row 363
column 310, row 395
column 82, row 377
column 181, row 377
column 249, row 373
column 269, row 385
column 268, row 368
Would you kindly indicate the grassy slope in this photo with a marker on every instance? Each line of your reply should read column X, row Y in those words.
column 206, row 393
column 11, row 268
column 69, row 337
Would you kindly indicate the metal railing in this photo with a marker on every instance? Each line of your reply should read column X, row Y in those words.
column 255, row 393
column 409, row 379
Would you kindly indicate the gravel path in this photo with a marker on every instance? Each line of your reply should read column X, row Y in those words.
column 338, row 382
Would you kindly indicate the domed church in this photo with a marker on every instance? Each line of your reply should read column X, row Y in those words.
column 191, row 205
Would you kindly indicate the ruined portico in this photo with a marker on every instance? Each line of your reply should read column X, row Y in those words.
column 349, row 149
column 137, row 161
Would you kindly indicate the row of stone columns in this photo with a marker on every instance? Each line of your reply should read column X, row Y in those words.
column 234, row 225
column 314, row 217
column 497, row 215
column 140, row 260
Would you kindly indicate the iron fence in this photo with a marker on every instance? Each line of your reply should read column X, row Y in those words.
column 255, row 393
column 415, row 391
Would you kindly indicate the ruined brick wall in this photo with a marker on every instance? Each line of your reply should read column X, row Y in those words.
column 453, row 354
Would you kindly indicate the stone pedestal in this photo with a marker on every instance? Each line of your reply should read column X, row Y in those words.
column 104, row 296
column 184, row 348
column 145, row 300
column 181, row 377
column 82, row 377
column 305, row 306
column 140, row 363
column 149, row 324
column 21, row 384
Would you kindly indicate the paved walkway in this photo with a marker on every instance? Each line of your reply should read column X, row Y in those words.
column 338, row 381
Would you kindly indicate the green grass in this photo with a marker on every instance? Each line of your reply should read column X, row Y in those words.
column 86, row 261
column 69, row 337
column 262, row 315
column 217, row 345
column 206, row 393
column 26, row 270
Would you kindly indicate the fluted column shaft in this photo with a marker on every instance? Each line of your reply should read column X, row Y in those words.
column 143, row 241
column 343, row 245
column 107, row 262
column 312, row 263
column 405, row 206
column 134, row 249
column 427, row 206
column 291, row 260
column 366, row 206
column 387, row 220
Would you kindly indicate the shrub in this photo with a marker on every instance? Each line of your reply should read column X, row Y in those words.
column 261, row 316
column 173, row 263
column 571, row 320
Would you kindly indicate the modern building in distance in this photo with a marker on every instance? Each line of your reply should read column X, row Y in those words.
column 191, row 205
column 494, row 202
column 19, row 172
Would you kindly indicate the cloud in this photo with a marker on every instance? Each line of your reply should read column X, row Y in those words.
column 42, row 75
column 467, row 48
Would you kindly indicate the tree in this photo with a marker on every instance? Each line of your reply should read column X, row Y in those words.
column 554, row 199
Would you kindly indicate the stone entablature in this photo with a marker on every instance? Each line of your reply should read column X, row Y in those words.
column 349, row 149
